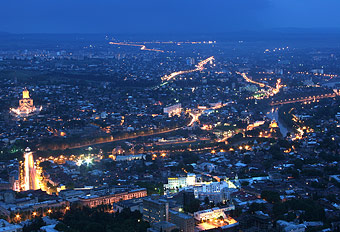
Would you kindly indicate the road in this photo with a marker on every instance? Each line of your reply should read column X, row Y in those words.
column 272, row 91
column 142, row 47
column 199, row 67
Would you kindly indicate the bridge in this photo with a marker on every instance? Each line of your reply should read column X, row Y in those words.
column 303, row 99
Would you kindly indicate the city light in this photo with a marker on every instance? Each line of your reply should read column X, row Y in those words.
column 199, row 67
column 88, row 161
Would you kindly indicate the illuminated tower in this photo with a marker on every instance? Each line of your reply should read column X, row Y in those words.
column 30, row 178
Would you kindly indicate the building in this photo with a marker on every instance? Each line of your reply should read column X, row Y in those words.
column 173, row 110
column 26, row 106
column 135, row 204
column 131, row 157
column 184, row 222
column 285, row 226
column 155, row 209
column 162, row 226
column 212, row 213
column 176, row 183
column 215, row 191
column 94, row 201
column 7, row 227
column 30, row 180
column 261, row 221
column 215, row 218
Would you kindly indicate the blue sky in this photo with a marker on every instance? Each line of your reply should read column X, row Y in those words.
column 162, row 16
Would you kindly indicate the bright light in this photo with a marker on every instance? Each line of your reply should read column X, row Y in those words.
column 79, row 162
column 88, row 160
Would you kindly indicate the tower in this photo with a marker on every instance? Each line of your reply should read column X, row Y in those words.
column 31, row 180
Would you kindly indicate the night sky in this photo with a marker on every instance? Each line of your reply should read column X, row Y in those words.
column 164, row 16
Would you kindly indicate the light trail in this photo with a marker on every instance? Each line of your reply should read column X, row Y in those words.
column 199, row 67
column 253, row 82
column 194, row 118
column 225, row 138
column 142, row 47
column 272, row 91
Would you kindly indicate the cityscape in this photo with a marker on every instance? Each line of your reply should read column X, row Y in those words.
column 106, row 130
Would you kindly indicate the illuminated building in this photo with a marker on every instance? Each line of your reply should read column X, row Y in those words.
column 273, row 124
column 215, row 191
column 173, row 110
column 180, row 182
column 212, row 213
column 26, row 106
column 119, row 158
column 215, row 218
column 94, row 201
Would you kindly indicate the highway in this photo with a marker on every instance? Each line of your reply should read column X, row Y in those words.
column 199, row 67
column 272, row 91
column 142, row 47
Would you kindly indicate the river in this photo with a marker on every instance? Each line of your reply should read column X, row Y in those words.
column 273, row 113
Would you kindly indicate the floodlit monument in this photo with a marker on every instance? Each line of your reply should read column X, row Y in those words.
column 26, row 107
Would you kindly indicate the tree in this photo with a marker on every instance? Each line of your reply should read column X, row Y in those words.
column 271, row 196
column 193, row 206
column 175, row 230
column 61, row 227
column 206, row 200
column 35, row 225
